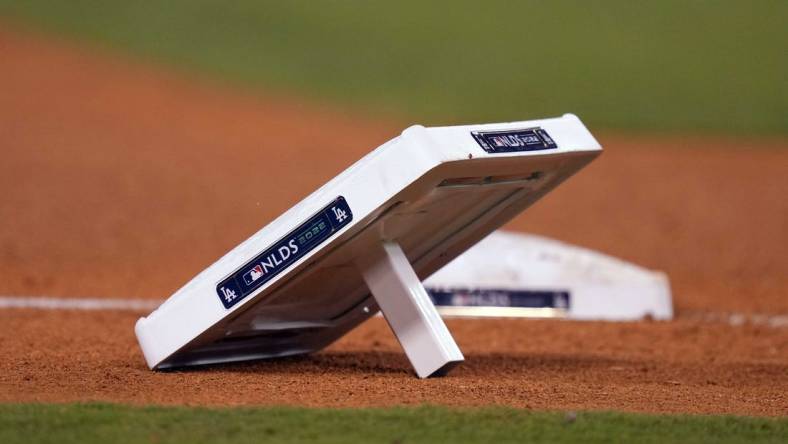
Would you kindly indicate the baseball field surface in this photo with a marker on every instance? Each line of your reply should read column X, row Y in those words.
column 124, row 171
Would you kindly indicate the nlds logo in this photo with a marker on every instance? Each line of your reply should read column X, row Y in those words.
column 515, row 140
column 284, row 253
column 512, row 141
column 271, row 262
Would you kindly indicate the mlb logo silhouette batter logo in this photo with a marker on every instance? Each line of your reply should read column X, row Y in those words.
column 253, row 275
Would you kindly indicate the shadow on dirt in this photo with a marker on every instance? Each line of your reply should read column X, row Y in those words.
column 396, row 363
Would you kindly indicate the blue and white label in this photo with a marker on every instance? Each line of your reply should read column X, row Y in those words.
column 499, row 298
column 281, row 255
column 531, row 139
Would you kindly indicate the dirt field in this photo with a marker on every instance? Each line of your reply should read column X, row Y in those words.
column 119, row 180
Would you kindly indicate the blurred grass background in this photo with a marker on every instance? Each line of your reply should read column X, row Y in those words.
column 699, row 66
column 113, row 423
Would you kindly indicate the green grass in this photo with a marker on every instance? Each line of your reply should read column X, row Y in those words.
column 670, row 65
column 102, row 423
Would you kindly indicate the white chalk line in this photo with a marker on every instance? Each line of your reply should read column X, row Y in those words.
column 737, row 319
column 52, row 303
column 148, row 305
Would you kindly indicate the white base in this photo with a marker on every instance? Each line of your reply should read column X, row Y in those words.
column 601, row 287
column 434, row 191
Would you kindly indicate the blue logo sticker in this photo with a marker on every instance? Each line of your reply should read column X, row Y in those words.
column 532, row 139
column 278, row 257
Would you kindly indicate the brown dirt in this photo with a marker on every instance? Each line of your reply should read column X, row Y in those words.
column 118, row 180
column 652, row 367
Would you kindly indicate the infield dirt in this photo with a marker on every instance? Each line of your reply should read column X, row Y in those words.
column 119, row 180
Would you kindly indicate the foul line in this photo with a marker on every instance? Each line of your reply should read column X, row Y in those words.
column 148, row 305
column 49, row 303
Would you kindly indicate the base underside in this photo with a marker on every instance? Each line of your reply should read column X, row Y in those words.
column 431, row 224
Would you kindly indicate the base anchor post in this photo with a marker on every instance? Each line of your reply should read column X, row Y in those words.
column 409, row 311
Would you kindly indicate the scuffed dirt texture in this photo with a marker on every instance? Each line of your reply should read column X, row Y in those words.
column 679, row 366
column 118, row 180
